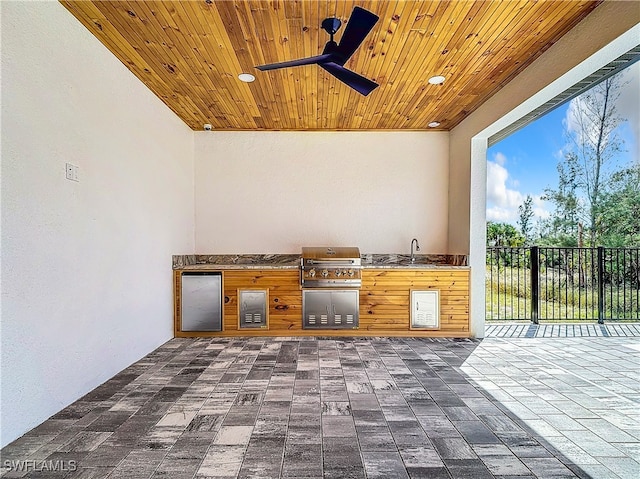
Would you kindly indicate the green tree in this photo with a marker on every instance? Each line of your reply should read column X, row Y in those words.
column 525, row 218
column 561, row 228
column 503, row 234
column 587, row 166
column 619, row 213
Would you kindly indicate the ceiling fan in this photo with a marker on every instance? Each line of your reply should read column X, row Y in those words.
column 334, row 56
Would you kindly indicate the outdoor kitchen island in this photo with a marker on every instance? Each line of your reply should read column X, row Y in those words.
column 262, row 295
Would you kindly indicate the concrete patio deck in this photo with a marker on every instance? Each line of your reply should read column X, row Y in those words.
column 560, row 330
column 502, row 407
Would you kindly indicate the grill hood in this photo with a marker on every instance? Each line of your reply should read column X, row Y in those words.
column 324, row 253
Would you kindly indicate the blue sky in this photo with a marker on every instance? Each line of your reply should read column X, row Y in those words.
column 525, row 162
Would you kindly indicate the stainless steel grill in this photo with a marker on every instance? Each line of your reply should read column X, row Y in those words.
column 331, row 278
column 325, row 267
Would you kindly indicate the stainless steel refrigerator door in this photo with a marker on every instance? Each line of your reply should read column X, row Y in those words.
column 201, row 301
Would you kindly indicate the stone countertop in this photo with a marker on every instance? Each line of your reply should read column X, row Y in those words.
column 422, row 261
column 292, row 261
column 236, row 261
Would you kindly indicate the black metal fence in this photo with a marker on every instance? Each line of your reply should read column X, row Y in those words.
column 538, row 283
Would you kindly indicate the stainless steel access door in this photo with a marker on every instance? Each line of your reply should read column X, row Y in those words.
column 252, row 308
column 345, row 307
column 316, row 307
column 201, row 301
column 330, row 309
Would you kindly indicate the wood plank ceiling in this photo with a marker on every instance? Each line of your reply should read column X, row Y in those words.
column 189, row 53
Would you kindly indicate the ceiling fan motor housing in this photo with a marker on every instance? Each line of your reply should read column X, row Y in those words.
column 331, row 25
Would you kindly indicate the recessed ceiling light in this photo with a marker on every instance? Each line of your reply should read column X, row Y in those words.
column 436, row 80
column 246, row 77
column 434, row 124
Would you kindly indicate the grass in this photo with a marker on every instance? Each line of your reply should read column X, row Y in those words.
column 508, row 296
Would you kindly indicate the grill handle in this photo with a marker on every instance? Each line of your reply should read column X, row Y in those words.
column 328, row 261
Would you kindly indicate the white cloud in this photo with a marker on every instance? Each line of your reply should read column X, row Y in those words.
column 579, row 125
column 559, row 154
column 497, row 190
column 500, row 215
column 500, row 158
column 628, row 106
column 503, row 201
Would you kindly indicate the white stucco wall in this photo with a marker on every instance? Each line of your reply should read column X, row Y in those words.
column 600, row 38
column 86, row 266
column 273, row 192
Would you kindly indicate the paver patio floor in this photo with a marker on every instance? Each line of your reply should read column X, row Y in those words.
column 532, row 407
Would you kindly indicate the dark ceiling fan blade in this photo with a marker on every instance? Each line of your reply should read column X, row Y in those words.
column 359, row 83
column 335, row 56
column 358, row 27
column 294, row 63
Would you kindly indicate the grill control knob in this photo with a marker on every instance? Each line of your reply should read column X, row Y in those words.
column 324, row 273
column 312, row 272
column 338, row 272
column 351, row 272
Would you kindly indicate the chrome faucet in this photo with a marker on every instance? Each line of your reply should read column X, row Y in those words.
column 413, row 257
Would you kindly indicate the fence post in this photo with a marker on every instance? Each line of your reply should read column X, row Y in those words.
column 535, row 284
column 600, row 285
